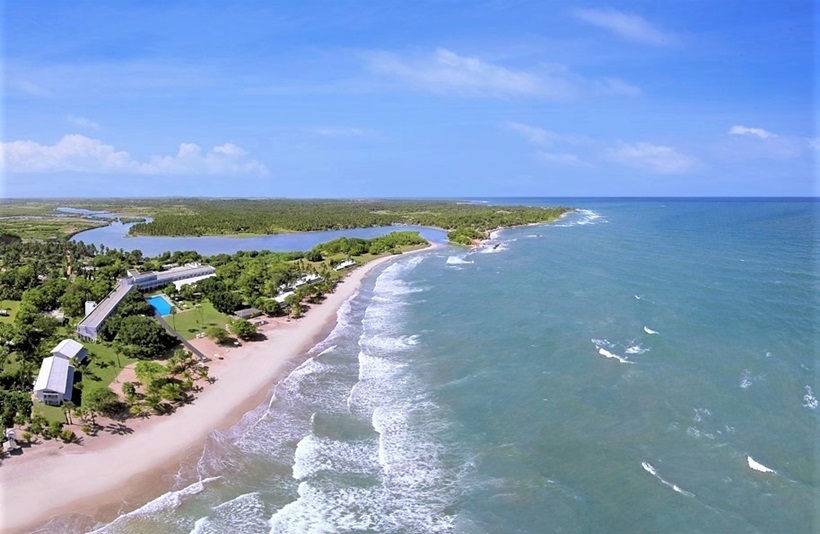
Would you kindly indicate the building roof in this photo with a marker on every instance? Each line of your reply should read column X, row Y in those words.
column 56, row 374
column 247, row 312
column 68, row 348
column 179, row 283
column 98, row 315
column 281, row 298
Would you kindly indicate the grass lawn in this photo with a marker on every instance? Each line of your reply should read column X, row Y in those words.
column 51, row 413
column 102, row 366
column 193, row 321
column 11, row 306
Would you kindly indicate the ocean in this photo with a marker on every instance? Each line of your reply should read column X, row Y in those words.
column 638, row 366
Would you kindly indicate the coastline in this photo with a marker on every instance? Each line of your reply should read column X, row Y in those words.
column 114, row 474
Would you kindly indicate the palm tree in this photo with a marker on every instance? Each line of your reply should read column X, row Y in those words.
column 68, row 406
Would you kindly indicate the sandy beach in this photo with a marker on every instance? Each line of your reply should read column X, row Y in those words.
column 132, row 466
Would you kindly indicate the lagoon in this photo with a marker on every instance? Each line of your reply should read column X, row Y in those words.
column 115, row 235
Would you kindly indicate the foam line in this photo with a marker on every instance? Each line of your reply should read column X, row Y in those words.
column 652, row 471
column 757, row 466
column 649, row 330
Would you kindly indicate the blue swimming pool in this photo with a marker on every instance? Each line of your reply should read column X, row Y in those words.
column 160, row 304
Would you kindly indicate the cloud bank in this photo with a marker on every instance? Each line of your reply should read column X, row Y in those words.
column 78, row 153
column 626, row 25
column 447, row 72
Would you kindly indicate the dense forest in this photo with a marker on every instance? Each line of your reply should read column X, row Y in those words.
column 230, row 217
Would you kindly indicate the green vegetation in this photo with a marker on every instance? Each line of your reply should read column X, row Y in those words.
column 10, row 307
column 242, row 328
column 353, row 246
column 43, row 227
column 465, row 236
column 103, row 364
column 237, row 217
column 199, row 318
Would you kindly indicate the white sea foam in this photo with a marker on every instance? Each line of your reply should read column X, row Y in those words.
column 493, row 248
column 581, row 218
column 534, row 236
column 649, row 468
column 245, row 513
column 327, row 350
column 809, row 400
column 604, row 352
column 638, row 297
column 164, row 504
column 455, row 260
column 636, row 349
column 649, row 330
column 757, row 466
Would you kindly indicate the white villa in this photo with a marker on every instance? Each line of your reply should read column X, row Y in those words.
column 55, row 382
column 68, row 348
column 345, row 264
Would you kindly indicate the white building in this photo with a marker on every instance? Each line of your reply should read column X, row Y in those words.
column 68, row 348
column 90, row 326
column 345, row 264
column 55, row 381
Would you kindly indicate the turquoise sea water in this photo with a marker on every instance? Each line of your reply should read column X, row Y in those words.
column 639, row 366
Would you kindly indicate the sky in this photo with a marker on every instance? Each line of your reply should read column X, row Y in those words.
column 438, row 98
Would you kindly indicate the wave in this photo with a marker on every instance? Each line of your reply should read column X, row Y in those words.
column 757, row 466
column 604, row 352
column 649, row 330
column 638, row 297
column 493, row 248
column 455, row 260
column 636, row 349
column 159, row 508
column 652, row 471
column 809, row 400
column 245, row 513
column 581, row 218
column 601, row 343
column 327, row 350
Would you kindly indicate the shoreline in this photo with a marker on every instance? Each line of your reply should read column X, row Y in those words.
column 113, row 474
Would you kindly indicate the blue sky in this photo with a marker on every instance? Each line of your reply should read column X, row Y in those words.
column 422, row 99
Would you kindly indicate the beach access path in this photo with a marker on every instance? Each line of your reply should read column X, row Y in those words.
column 99, row 476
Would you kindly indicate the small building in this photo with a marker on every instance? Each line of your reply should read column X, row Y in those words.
column 307, row 279
column 68, row 348
column 248, row 313
column 345, row 264
column 281, row 298
column 55, row 381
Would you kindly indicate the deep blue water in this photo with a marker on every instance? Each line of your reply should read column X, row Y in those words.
column 639, row 366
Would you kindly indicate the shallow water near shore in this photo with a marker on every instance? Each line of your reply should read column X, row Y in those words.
column 638, row 366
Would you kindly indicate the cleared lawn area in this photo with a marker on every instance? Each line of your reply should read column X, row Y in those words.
column 10, row 306
column 51, row 413
column 101, row 366
column 193, row 321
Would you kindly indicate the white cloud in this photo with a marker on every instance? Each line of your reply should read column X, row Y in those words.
column 626, row 25
column 28, row 88
column 449, row 73
column 756, row 132
column 653, row 158
column 533, row 134
column 83, row 122
column 568, row 159
column 77, row 153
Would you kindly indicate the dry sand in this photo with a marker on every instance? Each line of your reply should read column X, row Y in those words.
column 133, row 464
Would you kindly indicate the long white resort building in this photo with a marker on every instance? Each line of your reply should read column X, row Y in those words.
column 90, row 326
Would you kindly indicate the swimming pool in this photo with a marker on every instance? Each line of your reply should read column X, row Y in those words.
column 160, row 304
